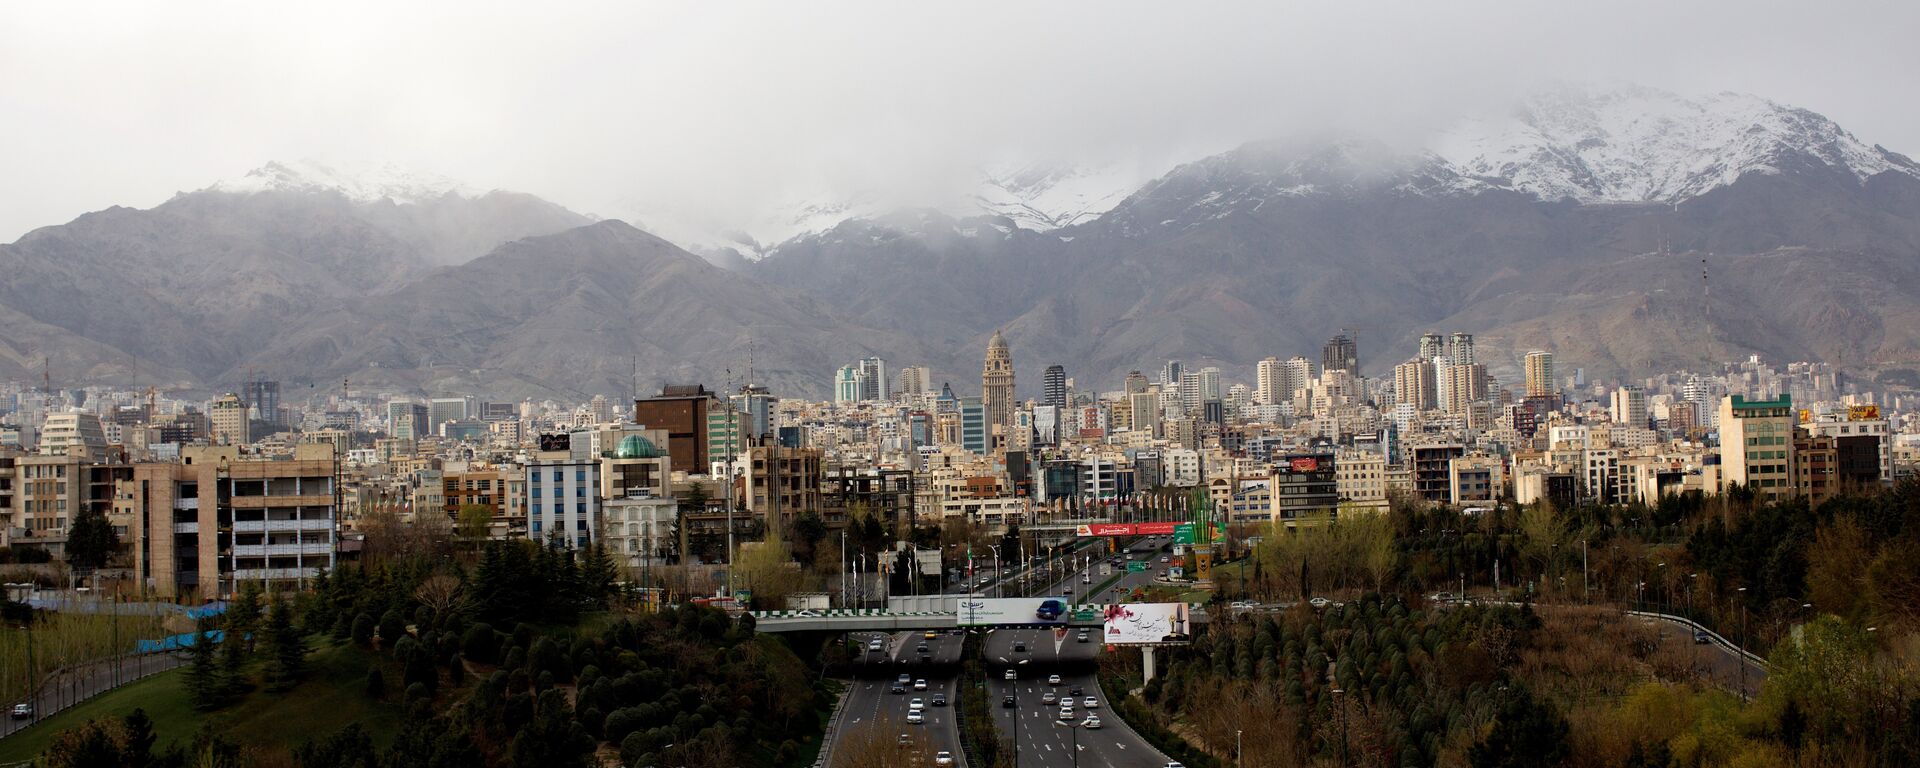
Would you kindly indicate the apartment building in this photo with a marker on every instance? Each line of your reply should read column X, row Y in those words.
column 215, row 520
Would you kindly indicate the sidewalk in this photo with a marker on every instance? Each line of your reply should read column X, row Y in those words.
column 68, row 687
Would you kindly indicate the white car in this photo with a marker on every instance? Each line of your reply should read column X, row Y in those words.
column 1092, row 723
column 1049, row 698
column 916, row 704
column 943, row 757
column 22, row 711
column 1011, row 675
column 1053, row 679
column 920, row 684
column 1066, row 715
column 1090, row 703
column 914, row 717
column 1319, row 602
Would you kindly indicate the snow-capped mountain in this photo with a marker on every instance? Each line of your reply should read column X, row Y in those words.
column 361, row 184
column 1637, row 144
column 1042, row 196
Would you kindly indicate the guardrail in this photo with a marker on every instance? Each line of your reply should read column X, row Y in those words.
column 1749, row 656
column 828, row 735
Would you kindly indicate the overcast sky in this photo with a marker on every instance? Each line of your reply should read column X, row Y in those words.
column 728, row 108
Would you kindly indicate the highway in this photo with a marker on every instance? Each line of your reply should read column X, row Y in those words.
column 870, row 699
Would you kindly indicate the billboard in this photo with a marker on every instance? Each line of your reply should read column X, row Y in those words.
column 1107, row 529
column 976, row 611
column 1304, row 464
column 1147, row 624
column 1863, row 412
column 1155, row 529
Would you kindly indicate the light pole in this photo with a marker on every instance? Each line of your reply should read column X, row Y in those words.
column 1236, row 748
column 1342, row 704
column 1743, row 643
column 998, row 575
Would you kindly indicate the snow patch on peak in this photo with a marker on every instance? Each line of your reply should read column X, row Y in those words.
column 1638, row 144
column 361, row 184
column 1045, row 196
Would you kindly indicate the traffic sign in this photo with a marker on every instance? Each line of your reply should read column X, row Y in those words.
column 1136, row 566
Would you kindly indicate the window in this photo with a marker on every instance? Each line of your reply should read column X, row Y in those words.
column 536, row 526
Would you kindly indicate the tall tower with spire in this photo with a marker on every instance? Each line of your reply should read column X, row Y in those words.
column 996, row 382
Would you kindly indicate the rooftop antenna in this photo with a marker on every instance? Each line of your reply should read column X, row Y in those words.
column 1706, row 307
column 46, row 376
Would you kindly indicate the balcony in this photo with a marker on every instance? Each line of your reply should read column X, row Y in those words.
column 187, row 504
column 263, row 502
column 193, row 527
column 320, row 549
column 281, row 526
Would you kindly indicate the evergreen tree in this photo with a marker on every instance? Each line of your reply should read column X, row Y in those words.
column 1527, row 732
column 598, row 574
column 91, row 541
column 243, row 616
column 206, row 686
column 136, row 749
column 287, row 648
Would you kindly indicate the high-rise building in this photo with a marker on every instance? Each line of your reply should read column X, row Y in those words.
column 1460, row 349
column 216, row 520
column 1340, row 354
column 681, row 410
column 1266, row 381
column 873, row 379
column 1144, row 411
column 1053, row 386
column 1170, row 374
column 600, row 410
column 1756, row 445
column 1190, row 392
column 1630, row 405
column 1299, row 373
column 1432, row 347
column 846, row 385
column 976, row 431
column 441, row 410
column 1539, row 372
column 406, row 419
column 228, row 415
column 1464, row 385
column 1413, row 384
column 996, row 382
column 914, row 380
column 264, row 398
column 1135, row 383
column 73, row 433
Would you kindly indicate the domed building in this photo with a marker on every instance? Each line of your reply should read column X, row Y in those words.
column 637, row 447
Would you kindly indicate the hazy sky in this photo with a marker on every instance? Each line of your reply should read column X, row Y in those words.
column 725, row 109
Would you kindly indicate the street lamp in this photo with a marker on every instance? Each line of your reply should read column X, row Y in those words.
column 1743, row 644
column 1341, row 703
column 1236, row 748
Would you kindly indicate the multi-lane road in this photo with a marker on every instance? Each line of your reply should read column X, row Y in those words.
column 872, row 700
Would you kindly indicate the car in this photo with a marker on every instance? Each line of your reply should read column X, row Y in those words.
column 1242, row 605
column 1090, row 702
column 1441, row 597
column 939, row 699
column 1050, row 610
column 1049, row 698
column 905, row 740
column 943, row 757
column 920, row 684
column 897, row 688
column 1086, row 579
column 1007, row 702
column 808, row 614
column 904, row 679
column 930, row 634
column 875, row 646
column 1053, row 679
column 921, row 648
column 917, row 703
column 22, row 711
column 1700, row 637
column 1319, row 602
column 1173, row 764
column 1066, row 715
column 1092, row 723
column 1074, row 691
column 1019, row 647
column 914, row 717
column 1066, row 590
column 1080, row 638
column 1011, row 675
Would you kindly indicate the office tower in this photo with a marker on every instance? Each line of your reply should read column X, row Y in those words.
column 1145, row 411
column 1170, row 374
column 1053, row 386
column 1756, row 445
column 1539, row 367
column 406, row 419
column 73, row 433
column 1460, row 386
column 216, row 520
column 1135, row 383
column 1340, row 354
column 914, row 380
column 1209, row 383
column 996, row 382
column 681, row 410
column 1460, row 349
column 441, row 410
column 1267, row 376
column 846, row 385
column 1413, row 384
column 1630, row 405
column 1190, row 393
column 264, row 398
column 873, row 379
column 756, row 404
column 975, row 431
column 228, row 415
column 600, row 410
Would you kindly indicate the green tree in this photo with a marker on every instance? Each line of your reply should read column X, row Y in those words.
column 287, row 648
column 598, row 573
column 243, row 616
column 350, row 748
column 91, row 541
column 554, row 739
column 137, row 740
column 472, row 522
column 1527, row 733
column 206, row 686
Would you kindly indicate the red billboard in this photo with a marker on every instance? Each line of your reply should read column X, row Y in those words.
column 1304, row 464
column 1107, row 529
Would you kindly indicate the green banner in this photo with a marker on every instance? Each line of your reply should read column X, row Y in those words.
column 1136, row 566
column 1183, row 533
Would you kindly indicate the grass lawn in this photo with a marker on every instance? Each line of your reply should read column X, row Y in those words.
column 332, row 696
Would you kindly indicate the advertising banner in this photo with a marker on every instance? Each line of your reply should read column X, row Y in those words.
column 1107, row 529
column 1147, row 624
column 1304, row 464
column 979, row 611
column 1155, row 529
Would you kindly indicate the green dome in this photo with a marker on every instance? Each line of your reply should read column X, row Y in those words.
column 636, row 447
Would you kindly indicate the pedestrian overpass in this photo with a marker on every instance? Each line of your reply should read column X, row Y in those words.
column 883, row 620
